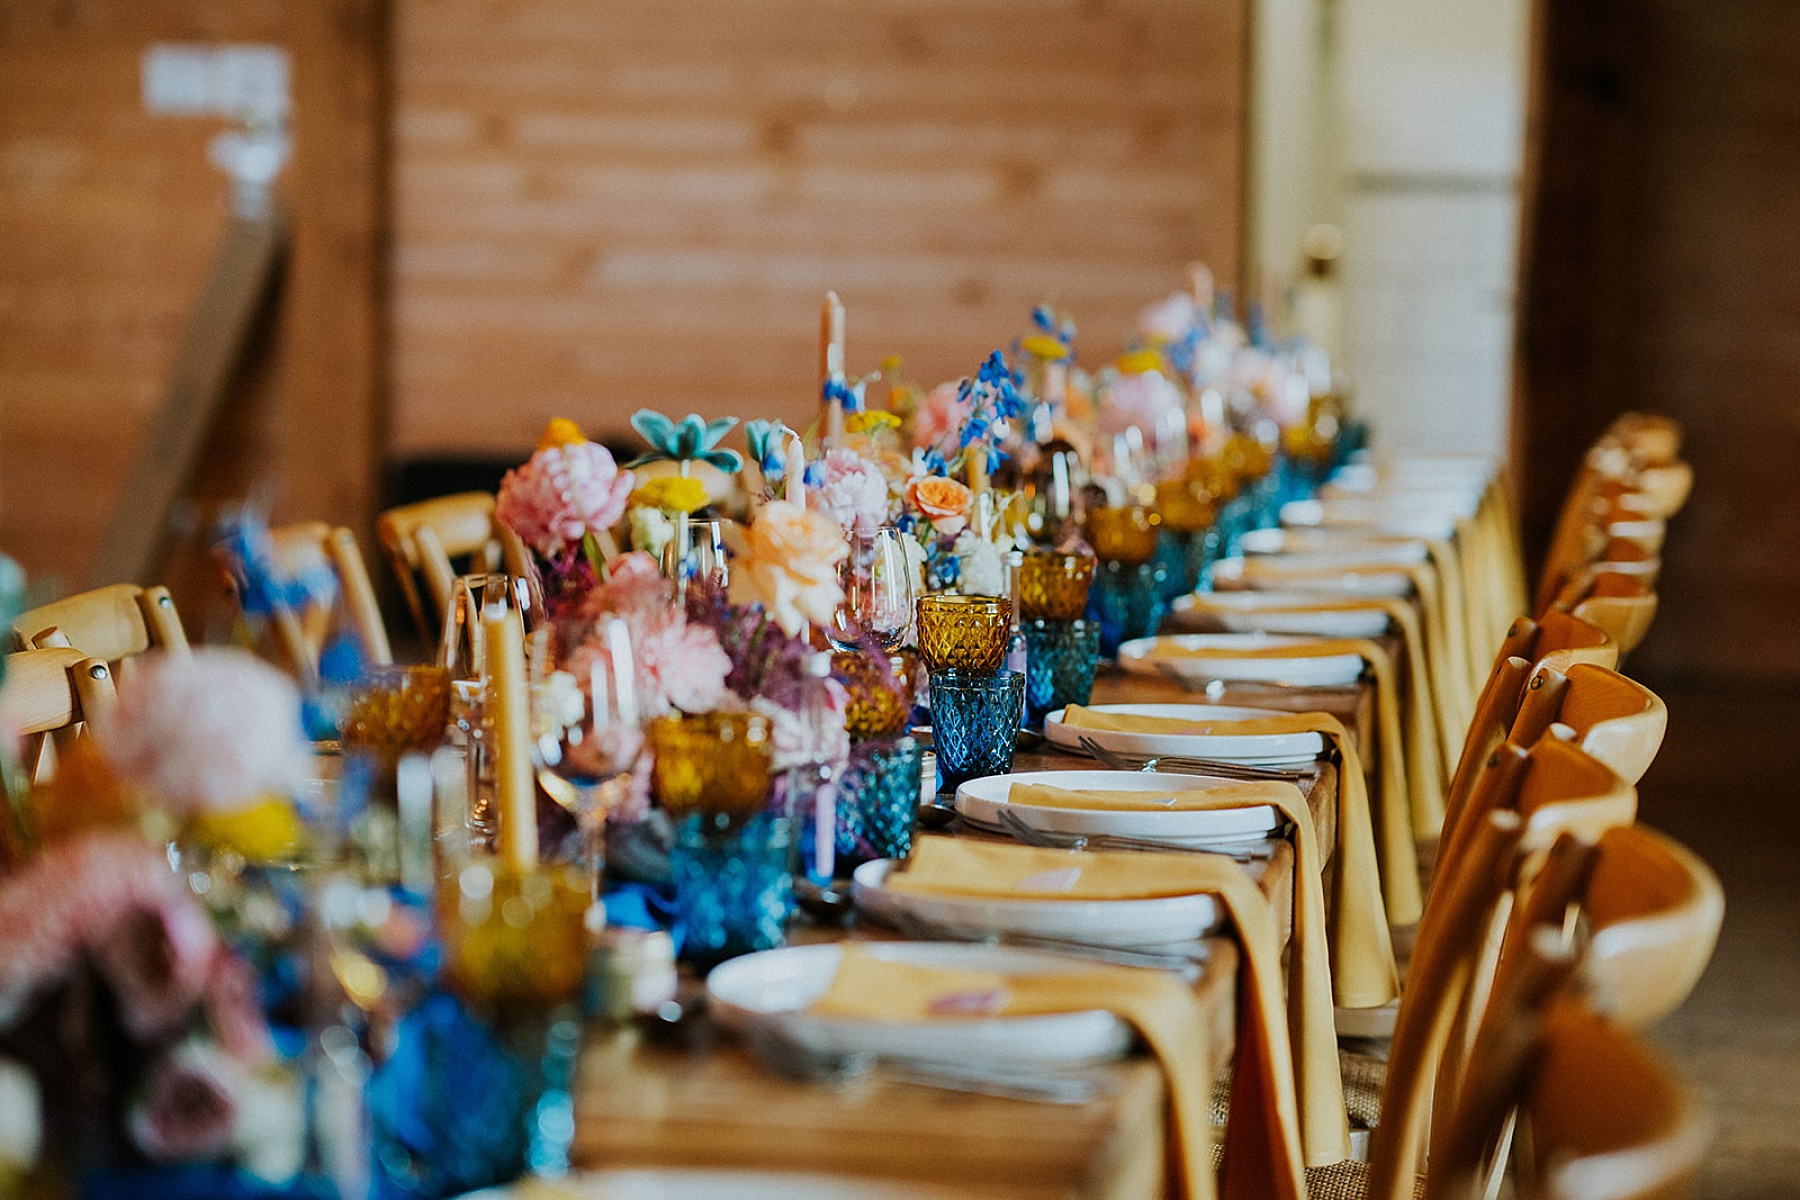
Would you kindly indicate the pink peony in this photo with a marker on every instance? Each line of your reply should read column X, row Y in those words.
column 218, row 730
column 854, row 493
column 940, row 414
column 93, row 894
column 190, row 1107
column 157, row 960
column 796, row 743
column 563, row 493
column 1140, row 399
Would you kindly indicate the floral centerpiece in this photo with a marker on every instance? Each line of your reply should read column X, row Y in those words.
column 563, row 503
column 130, row 1004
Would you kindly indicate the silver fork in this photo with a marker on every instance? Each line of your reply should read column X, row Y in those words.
column 1031, row 835
column 1184, row 765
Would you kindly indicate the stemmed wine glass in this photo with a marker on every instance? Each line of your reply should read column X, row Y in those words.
column 697, row 554
column 879, row 584
column 589, row 736
column 463, row 651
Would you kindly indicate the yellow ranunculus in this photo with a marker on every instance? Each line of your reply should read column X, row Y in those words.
column 1044, row 346
column 671, row 493
column 873, row 421
column 265, row 832
column 1136, row 362
column 561, row 432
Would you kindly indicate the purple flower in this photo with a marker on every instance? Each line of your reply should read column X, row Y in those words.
column 189, row 1110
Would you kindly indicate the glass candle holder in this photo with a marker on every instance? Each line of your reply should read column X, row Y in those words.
column 711, row 763
column 733, row 886
column 394, row 709
column 1124, row 534
column 879, row 693
column 1184, row 505
column 1054, row 586
column 878, row 801
column 975, row 721
column 964, row 633
column 1060, row 664
column 1128, row 603
column 515, row 940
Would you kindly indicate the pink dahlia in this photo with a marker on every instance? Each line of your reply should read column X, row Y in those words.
column 634, row 583
column 563, row 493
column 855, row 492
column 676, row 664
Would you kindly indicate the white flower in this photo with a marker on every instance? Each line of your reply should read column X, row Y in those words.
column 651, row 530
column 1169, row 320
column 21, row 1120
column 980, row 573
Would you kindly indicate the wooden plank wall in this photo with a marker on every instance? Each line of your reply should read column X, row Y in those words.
column 1665, row 276
column 108, row 219
column 643, row 203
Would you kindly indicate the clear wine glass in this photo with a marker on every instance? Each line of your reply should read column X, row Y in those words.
column 879, row 583
column 696, row 554
column 463, row 651
column 589, row 735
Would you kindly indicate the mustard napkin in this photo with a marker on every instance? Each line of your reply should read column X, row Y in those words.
column 1363, row 974
column 1161, row 1008
column 1305, row 1052
column 1078, row 716
column 1399, row 857
column 1233, row 795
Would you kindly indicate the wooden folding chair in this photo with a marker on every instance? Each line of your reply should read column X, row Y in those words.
column 113, row 623
column 312, row 546
column 52, row 692
column 422, row 539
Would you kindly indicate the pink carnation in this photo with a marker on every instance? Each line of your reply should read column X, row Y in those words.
column 676, row 664
column 634, row 583
column 100, row 895
column 940, row 414
column 563, row 493
column 217, row 730
column 855, row 492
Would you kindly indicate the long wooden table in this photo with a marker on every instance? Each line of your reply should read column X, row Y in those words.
column 698, row 1099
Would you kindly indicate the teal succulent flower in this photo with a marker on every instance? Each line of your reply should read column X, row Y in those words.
column 693, row 439
column 765, row 439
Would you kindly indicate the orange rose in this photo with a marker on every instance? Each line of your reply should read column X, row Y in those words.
column 944, row 502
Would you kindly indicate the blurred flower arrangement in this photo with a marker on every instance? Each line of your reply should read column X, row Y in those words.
column 126, row 995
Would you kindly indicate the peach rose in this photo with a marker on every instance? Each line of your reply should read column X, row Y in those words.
column 791, row 567
column 944, row 502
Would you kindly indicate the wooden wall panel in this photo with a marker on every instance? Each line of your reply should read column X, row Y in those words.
column 1666, row 277
column 643, row 203
column 108, row 220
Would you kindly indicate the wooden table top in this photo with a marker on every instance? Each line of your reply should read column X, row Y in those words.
column 645, row 1101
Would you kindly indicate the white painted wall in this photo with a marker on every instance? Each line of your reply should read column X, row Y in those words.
column 1414, row 110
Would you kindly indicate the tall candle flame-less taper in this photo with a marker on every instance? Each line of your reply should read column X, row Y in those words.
column 512, row 737
column 831, row 368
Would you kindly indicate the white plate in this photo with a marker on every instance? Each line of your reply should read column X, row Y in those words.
column 712, row 1183
column 1147, row 922
column 779, row 985
column 1264, row 573
column 1260, row 748
column 1138, row 657
column 1378, row 515
column 1245, row 612
column 1307, row 550
column 980, row 801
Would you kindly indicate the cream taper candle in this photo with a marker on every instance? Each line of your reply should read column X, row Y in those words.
column 516, row 799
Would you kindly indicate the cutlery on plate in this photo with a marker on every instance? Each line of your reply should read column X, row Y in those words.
column 1023, row 831
column 1184, row 962
column 1186, row 765
column 787, row 1056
